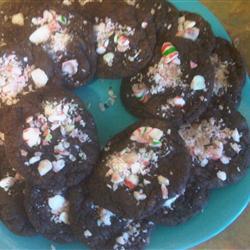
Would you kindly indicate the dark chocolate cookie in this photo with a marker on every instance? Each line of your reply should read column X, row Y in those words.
column 23, row 70
column 48, row 212
column 195, row 28
column 176, row 86
column 136, row 173
column 68, row 39
column 184, row 206
column 219, row 144
column 51, row 139
column 124, row 45
column 12, row 186
column 92, row 224
column 135, row 236
column 230, row 74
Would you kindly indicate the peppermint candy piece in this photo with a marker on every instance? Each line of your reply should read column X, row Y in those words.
column 169, row 51
column 44, row 167
column 18, row 19
column 39, row 77
column 70, row 67
column 148, row 135
column 40, row 35
column 32, row 136
column 141, row 92
column 198, row 83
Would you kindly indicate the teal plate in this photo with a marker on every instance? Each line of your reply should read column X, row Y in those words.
column 225, row 205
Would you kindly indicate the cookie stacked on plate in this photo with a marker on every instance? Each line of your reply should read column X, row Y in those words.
column 182, row 83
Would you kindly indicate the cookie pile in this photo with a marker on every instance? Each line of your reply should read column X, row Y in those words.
column 183, row 83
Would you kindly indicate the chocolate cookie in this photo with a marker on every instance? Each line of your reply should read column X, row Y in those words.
column 124, row 43
column 92, row 224
column 195, row 28
column 48, row 212
column 134, row 236
column 176, row 86
column 12, row 211
column 219, row 144
column 184, row 206
column 51, row 139
column 230, row 74
column 23, row 70
column 68, row 39
column 136, row 173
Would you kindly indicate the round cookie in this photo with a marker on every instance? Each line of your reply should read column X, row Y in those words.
column 184, row 206
column 51, row 139
column 124, row 43
column 12, row 187
column 92, row 224
column 195, row 28
column 219, row 144
column 135, row 236
column 68, row 39
column 23, row 70
column 230, row 74
column 176, row 86
column 136, row 173
column 48, row 212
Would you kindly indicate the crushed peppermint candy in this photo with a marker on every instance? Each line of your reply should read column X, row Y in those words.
column 126, row 166
column 221, row 75
column 61, row 118
column 148, row 135
column 205, row 140
column 51, row 32
column 59, row 208
column 106, row 29
column 187, row 29
column 165, row 75
column 17, row 77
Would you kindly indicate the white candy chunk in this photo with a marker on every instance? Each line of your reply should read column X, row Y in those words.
column 225, row 160
column 105, row 217
column 198, row 83
column 109, row 58
column 40, row 35
column 57, row 203
column 139, row 196
column 70, row 67
column 122, row 240
column 18, row 19
column 32, row 136
column 163, row 180
column 34, row 159
column 44, row 167
column 64, row 217
column 58, row 165
column 7, row 183
column 144, row 25
column 189, row 24
column 178, row 101
column 169, row 202
column 87, row 233
column 236, row 136
column 100, row 50
column 222, row 175
column 39, row 77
